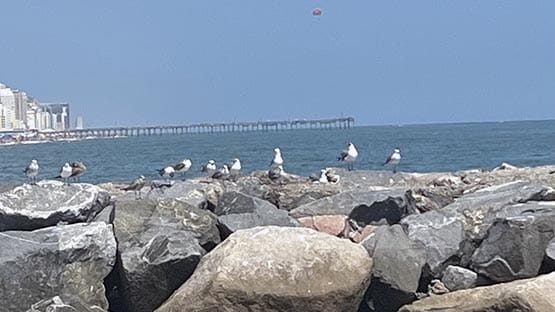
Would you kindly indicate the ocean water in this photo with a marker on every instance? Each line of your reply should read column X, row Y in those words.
column 425, row 148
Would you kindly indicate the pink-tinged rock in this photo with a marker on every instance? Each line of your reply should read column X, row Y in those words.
column 331, row 224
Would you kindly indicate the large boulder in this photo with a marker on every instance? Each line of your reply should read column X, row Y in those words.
column 371, row 207
column 238, row 211
column 30, row 207
column 398, row 264
column 515, row 246
column 67, row 261
column 276, row 269
column 535, row 294
column 452, row 233
column 160, row 244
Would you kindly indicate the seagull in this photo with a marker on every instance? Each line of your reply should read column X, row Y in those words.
column 332, row 176
column 136, row 186
column 222, row 173
column 183, row 166
column 235, row 166
column 394, row 159
column 77, row 170
column 167, row 173
column 209, row 167
column 349, row 155
column 278, row 160
column 65, row 173
column 321, row 179
column 32, row 171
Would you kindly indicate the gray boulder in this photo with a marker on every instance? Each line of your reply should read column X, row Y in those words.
column 160, row 245
column 276, row 269
column 457, row 278
column 515, row 246
column 69, row 262
column 237, row 211
column 533, row 294
column 30, row 207
column 198, row 193
column 450, row 235
column 374, row 207
column 398, row 264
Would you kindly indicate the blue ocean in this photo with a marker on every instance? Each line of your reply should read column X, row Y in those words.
column 425, row 148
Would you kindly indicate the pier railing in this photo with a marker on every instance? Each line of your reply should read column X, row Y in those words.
column 331, row 123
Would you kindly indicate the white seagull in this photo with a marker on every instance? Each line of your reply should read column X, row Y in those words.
column 209, row 167
column 65, row 172
column 167, row 173
column 183, row 166
column 235, row 166
column 394, row 159
column 349, row 155
column 278, row 160
column 32, row 171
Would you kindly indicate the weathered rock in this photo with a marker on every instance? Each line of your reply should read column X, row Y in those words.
column 68, row 261
column 523, row 295
column 398, row 264
column 386, row 206
column 429, row 199
column 160, row 244
column 276, row 269
column 505, row 166
column 360, row 235
column 450, row 232
column 457, row 278
column 237, row 211
column 438, row 235
column 30, row 207
column 333, row 225
column 515, row 246
column 198, row 193
column 550, row 250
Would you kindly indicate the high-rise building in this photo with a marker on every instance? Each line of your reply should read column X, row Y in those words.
column 58, row 115
column 79, row 122
column 7, row 99
column 20, row 109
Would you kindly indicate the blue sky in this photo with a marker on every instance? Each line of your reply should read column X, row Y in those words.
column 383, row 62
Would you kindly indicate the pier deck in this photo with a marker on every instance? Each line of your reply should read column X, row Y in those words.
column 331, row 123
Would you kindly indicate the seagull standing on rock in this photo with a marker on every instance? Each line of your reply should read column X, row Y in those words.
column 183, row 166
column 278, row 160
column 394, row 159
column 136, row 186
column 222, row 173
column 77, row 170
column 32, row 171
column 321, row 179
column 235, row 166
column 65, row 173
column 209, row 168
column 349, row 155
column 167, row 173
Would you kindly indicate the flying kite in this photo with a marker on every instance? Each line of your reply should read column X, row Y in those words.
column 317, row 12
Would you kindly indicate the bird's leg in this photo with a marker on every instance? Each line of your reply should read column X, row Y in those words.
column 139, row 194
column 395, row 169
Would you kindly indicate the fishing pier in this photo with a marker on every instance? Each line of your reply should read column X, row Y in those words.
column 261, row 126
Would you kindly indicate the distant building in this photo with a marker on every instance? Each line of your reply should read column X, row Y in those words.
column 79, row 122
column 20, row 109
column 7, row 99
column 54, row 116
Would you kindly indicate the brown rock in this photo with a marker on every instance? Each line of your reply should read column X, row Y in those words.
column 275, row 269
column 331, row 224
column 535, row 294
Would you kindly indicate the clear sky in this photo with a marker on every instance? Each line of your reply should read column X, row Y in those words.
column 383, row 62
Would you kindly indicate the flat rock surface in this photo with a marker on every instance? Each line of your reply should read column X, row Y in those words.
column 276, row 269
column 68, row 261
column 533, row 294
column 30, row 207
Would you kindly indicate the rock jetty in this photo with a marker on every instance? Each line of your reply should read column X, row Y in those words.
column 473, row 240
